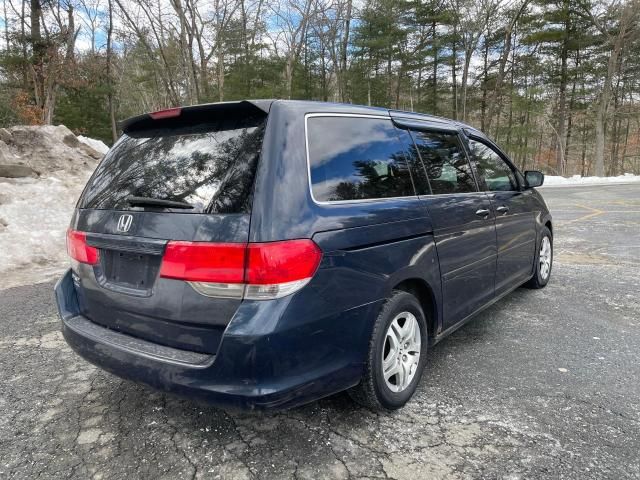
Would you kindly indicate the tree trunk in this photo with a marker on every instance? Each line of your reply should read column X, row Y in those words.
column 572, row 102
column 583, row 156
column 465, row 79
column 245, row 45
column 434, row 86
column 343, row 53
column 495, row 104
column 399, row 85
column 296, row 42
column 624, row 147
column 560, row 142
column 627, row 17
column 288, row 75
column 6, row 25
column 601, row 111
column 39, row 49
column 220, row 67
column 389, row 80
column 485, row 84
column 526, row 138
column 186, row 55
column 112, row 109
column 454, row 81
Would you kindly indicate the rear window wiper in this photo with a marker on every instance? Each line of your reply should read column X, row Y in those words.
column 158, row 202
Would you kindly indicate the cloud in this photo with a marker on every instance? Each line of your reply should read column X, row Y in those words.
column 323, row 190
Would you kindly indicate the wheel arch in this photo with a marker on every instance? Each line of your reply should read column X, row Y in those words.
column 420, row 289
column 547, row 222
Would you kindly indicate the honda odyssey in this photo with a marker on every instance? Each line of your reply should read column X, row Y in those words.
column 263, row 254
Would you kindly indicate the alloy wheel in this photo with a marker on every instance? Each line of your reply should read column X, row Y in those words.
column 401, row 352
column 545, row 257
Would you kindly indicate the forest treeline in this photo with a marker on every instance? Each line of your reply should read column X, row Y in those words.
column 555, row 82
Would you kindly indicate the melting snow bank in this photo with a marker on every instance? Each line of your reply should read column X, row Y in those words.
column 34, row 216
column 553, row 181
column 46, row 149
column 97, row 145
column 35, row 211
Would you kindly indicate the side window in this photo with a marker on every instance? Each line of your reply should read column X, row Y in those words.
column 446, row 164
column 497, row 174
column 354, row 158
column 418, row 173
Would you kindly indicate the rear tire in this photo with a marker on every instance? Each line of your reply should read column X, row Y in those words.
column 397, row 355
column 543, row 261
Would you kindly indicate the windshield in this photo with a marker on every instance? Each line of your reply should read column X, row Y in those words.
column 209, row 165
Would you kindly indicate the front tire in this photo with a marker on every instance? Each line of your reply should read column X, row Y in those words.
column 397, row 355
column 544, row 261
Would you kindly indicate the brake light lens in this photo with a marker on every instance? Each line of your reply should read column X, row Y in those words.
column 204, row 262
column 79, row 250
column 256, row 271
column 167, row 113
column 280, row 262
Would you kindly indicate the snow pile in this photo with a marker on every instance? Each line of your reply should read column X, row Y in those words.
column 97, row 145
column 46, row 149
column 34, row 216
column 550, row 180
column 35, row 212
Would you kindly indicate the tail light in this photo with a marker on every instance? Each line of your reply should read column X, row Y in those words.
column 204, row 262
column 254, row 271
column 79, row 250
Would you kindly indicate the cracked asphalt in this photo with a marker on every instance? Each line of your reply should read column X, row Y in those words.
column 544, row 384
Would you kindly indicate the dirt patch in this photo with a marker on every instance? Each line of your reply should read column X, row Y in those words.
column 46, row 149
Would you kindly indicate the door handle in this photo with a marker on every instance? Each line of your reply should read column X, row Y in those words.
column 484, row 213
column 503, row 209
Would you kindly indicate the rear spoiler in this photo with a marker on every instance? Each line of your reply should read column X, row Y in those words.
column 155, row 119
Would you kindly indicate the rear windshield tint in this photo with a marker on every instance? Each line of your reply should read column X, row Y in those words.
column 207, row 160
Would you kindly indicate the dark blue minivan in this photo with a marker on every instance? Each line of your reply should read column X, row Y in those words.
column 263, row 254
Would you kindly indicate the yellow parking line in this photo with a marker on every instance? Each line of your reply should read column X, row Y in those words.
column 594, row 213
column 626, row 203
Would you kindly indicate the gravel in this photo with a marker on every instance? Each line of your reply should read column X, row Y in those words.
column 544, row 384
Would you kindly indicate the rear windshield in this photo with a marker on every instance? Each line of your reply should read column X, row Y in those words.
column 208, row 161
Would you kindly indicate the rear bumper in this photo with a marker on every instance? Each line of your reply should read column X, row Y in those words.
column 272, row 367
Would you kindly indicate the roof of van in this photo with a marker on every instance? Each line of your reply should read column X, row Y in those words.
column 265, row 106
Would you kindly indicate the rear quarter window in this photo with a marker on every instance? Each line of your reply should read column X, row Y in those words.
column 356, row 158
column 208, row 161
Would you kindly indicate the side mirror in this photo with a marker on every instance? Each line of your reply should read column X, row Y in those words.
column 533, row 178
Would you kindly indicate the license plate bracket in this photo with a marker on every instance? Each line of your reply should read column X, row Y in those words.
column 130, row 269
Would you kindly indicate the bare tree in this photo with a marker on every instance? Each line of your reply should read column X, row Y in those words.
column 135, row 21
column 474, row 18
column 110, row 99
column 52, row 53
column 625, row 18
column 91, row 10
column 224, row 13
column 495, row 105
column 293, row 18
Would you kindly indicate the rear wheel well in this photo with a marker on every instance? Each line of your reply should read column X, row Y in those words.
column 422, row 291
column 548, row 225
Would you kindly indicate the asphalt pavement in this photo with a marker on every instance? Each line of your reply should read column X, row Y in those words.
column 544, row 384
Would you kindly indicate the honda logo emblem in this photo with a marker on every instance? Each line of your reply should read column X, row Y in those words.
column 124, row 223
